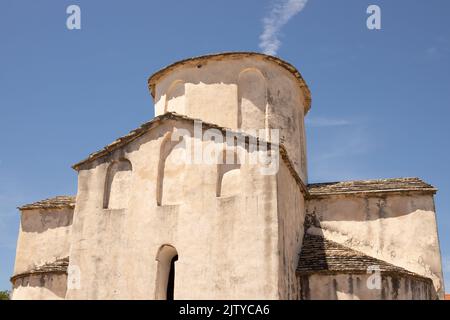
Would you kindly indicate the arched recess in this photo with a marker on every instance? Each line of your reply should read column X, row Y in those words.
column 252, row 99
column 175, row 98
column 165, row 274
column 228, row 174
column 171, row 172
column 117, row 185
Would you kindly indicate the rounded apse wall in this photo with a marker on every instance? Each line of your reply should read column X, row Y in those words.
column 240, row 91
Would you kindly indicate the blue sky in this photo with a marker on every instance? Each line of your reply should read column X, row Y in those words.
column 380, row 98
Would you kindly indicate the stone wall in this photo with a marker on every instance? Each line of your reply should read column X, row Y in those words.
column 227, row 245
column 44, row 238
column 397, row 227
column 354, row 287
column 291, row 215
column 45, row 286
column 241, row 91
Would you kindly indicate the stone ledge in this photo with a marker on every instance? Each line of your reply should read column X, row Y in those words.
column 58, row 266
column 58, row 202
column 370, row 187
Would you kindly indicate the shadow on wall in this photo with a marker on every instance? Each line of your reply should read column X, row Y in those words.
column 328, row 270
column 196, row 76
column 252, row 99
column 170, row 171
column 228, row 174
column 175, row 101
column 368, row 207
column 117, row 185
column 252, row 96
column 46, row 219
column 45, row 286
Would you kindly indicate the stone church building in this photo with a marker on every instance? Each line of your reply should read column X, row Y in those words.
column 146, row 225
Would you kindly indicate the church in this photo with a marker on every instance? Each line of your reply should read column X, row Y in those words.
column 210, row 199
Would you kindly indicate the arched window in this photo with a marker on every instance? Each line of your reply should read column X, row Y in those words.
column 175, row 101
column 165, row 274
column 117, row 185
column 252, row 98
column 228, row 174
column 170, row 171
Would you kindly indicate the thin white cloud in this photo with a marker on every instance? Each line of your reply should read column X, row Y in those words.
column 354, row 143
column 432, row 51
column 326, row 122
column 281, row 13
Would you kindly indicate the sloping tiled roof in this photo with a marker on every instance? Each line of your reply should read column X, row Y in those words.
column 230, row 55
column 370, row 186
column 147, row 126
column 144, row 128
column 319, row 255
column 58, row 266
column 58, row 202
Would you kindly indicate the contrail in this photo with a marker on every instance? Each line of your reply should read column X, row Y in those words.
column 281, row 13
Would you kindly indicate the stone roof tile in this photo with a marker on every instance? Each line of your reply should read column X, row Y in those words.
column 319, row 255
column 145, row 127
column 57, row 202
column 370, row 186
column 57, row 266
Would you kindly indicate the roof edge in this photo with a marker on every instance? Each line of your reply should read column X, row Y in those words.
column 32, row 273
column 374, row 192
column 417, row 185
column 59, row 266
column 58, row 202
column 406, row 274
column 28, row 207
column 144, row 128
column 147, row 126
column 386, row 267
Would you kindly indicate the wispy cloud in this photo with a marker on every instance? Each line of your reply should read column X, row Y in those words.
column 281, row 13
column 432, row 51
column 439, row 48
column 326, row 122
column 354, row 143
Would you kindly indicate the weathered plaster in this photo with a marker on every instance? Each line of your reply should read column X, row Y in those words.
column 237, row 233
column 236, row 92
column 399, row 228
column 354, row 287
column 40, row 287
column 44, row 236
column 227, row 245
